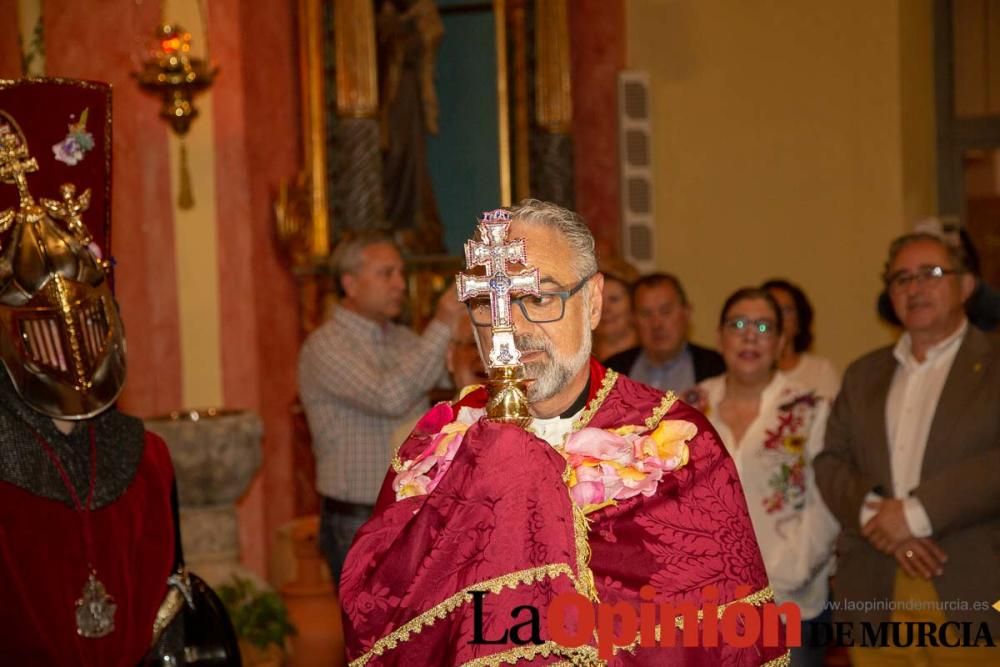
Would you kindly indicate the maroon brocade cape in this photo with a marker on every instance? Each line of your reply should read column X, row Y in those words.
column 43, row 568
column 501, row 521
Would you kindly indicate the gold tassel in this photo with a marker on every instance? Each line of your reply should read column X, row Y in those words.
column 584, row 583
column 585, row 576
column 185, row 193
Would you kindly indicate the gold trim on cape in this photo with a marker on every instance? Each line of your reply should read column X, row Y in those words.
column 661, row 410
column 585, row 585
column 448, row 605
column 781, row 661
column 610, row 377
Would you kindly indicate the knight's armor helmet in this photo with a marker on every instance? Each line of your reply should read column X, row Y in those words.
column 61, row 338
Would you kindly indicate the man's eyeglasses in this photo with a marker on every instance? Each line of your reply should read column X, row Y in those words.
column 744, row 325
column 901, row 280
column 542, row 309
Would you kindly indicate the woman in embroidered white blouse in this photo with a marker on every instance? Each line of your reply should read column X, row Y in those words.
column 773, row 428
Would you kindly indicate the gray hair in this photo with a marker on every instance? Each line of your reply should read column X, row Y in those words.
column 347, row 256
column 579, row 239
column 956, row 254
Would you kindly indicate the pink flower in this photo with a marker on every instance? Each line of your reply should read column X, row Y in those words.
column 599, row 444
column 413, row 481
column 621, row 463
column 643, row 447
column 671, row 438
column 589, row 487
column 444, row 433
column 443, row 442
column 435, row 419
column 613, row 483
column 635, row 483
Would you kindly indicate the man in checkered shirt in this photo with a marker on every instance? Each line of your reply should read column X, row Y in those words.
column 360, row 377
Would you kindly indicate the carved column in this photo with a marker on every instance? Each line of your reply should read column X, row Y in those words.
column 357, row 178
column 552, row 143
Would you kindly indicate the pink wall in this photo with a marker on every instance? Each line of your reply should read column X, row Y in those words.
column 257, row 142
column 10, row 54
column 597, row 53
column 99, row 41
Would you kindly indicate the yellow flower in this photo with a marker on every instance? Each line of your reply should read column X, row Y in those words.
column 629, row 473
column 671, row 438
column 455, row 427
column 410, row 490
column 468, row 390
column 626, row 430
column 794, row 443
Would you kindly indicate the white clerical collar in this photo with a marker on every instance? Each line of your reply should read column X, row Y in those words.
column 553, row 430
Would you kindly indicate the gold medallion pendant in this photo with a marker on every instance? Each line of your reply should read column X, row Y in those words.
column 95, row 610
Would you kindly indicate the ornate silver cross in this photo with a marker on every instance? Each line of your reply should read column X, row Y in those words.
column 493, row 253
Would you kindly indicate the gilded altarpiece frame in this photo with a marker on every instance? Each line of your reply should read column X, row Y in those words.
column 338, row 83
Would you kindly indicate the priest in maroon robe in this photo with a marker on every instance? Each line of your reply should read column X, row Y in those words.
column 615, row 510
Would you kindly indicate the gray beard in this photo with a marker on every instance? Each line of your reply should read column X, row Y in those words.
column 552, row 374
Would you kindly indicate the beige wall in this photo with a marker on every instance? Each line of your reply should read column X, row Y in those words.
column 790, row 138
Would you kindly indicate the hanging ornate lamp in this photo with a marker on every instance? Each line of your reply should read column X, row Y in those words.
column 171, row 72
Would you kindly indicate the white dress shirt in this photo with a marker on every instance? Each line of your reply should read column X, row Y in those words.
column 909, row 411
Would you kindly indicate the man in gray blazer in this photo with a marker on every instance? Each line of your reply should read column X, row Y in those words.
column 911, row 468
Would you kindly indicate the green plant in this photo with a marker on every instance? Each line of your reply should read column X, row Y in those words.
column 259, row 617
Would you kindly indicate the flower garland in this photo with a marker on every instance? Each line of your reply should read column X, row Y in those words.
column 414, row 478
column 605, row 465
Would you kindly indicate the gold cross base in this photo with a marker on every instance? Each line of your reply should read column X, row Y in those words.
column 508, row 401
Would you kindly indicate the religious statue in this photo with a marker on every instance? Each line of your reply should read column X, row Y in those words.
column 409, row 32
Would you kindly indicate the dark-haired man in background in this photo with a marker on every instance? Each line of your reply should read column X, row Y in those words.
column 664, row 358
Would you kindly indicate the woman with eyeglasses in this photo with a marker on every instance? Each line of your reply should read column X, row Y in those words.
column 795, row 360
column 773, row 428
